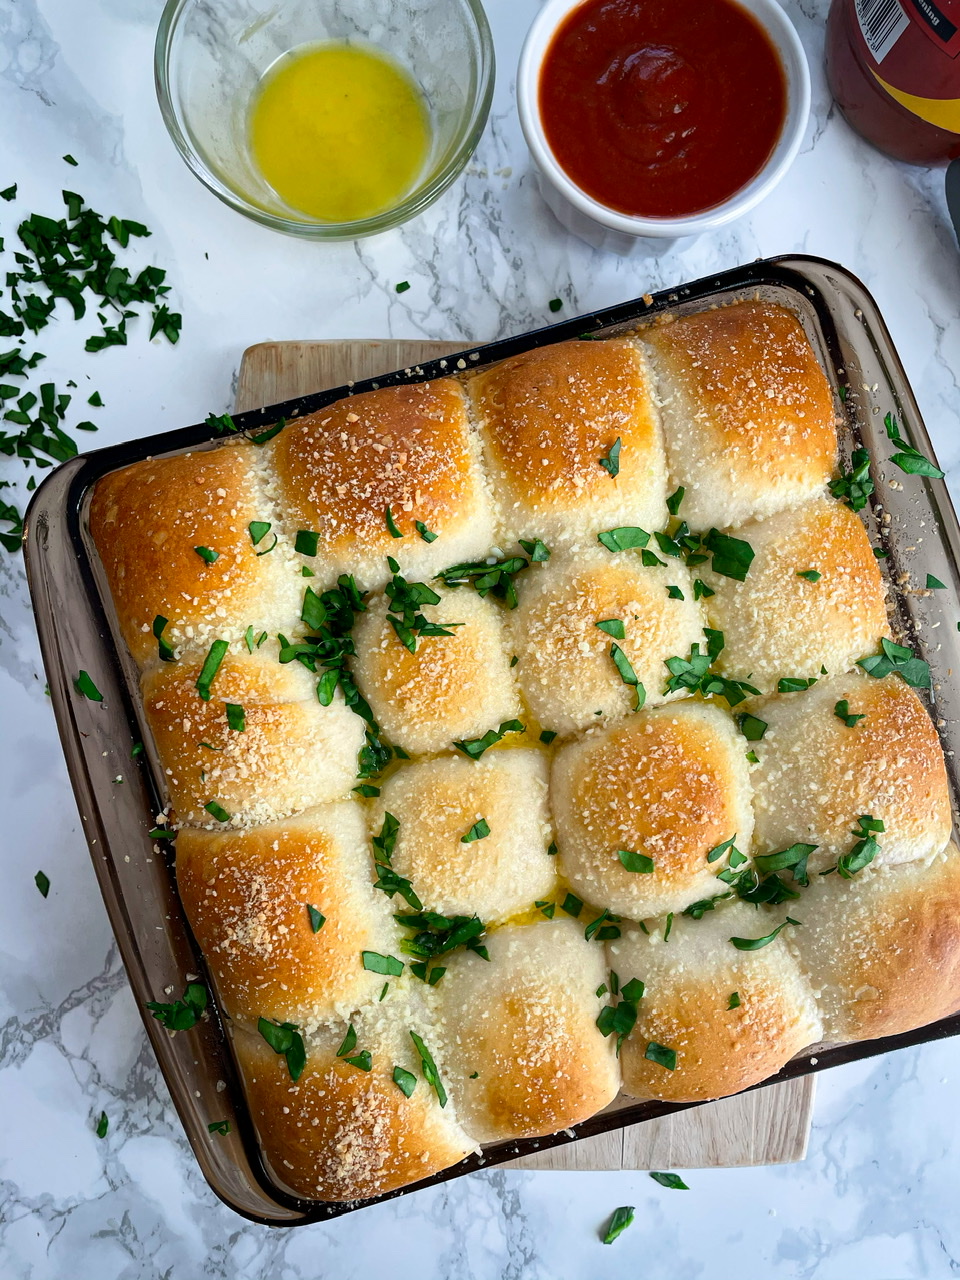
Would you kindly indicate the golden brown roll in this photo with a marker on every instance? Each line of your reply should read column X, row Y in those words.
column 439, row 802
column 292, row 753
column 408, row 448
column 669, row 785
column 247, row 896
column 548, row 417
column 882, row 950
column 147, row 522
column 455, row 686
column 342, row 1133
column 566, row 670
column 777, row 624
column 747, row 412
column 689, row 982
column 521, row 1050
column 818, row 774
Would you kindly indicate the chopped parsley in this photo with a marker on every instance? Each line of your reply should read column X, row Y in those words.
column 479, row 831
column 637, row 862
column 854, row 487
column 755, row 944
column 909, row 459
column 842, row 711
column 428, row 1069
column 306, row 542
column 316, row 917
column 402, row 287
column 211, row 665
column 236, row 717
column 613, row 627
column 434, row 935
column 628, row 675
column 673, row 502
column 661, row 1055
column 349, row 1042
column 258, row 530
column 406, row 600
column 428, row 536
column 182, row 1014
column 555, row 304
column 732, row 557
column 537, row 550
column 216, row 810
column 374, row 962
column 752, row 727
column 603, row 927
column 391, row 524
column 103, row 1123
column 547, row 736
column 572, row 905
column 611, row 461
column 701, row 591
column 405, row 1081
column 934, row 584
column 84, row 685
column 619, row 1221
column 205, row 553
column 734, row 1001
column 619, row 1018
column 285, row 1039
column 863, row 852
column 222, row 1127
column 475, row 747
column 898, row 658
column 694, row 673
column 795, row 684
column 674, row 593
column 672, row 1181
column 42, row 881
column 547, row 908
column 363, row 1061
column 624, row 538
column 811, row 575
column 495, row 577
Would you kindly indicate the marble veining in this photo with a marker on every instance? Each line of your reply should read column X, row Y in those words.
column 876, row 1197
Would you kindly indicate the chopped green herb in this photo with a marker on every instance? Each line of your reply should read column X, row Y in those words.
column 376, row 963
column 719, row 850
column 365, row 789
column 166, row 650
column 513, row 661
column 217, row 810
column 854, row 486
column 753, row 757
column 103, row 1123
column 547, row 736
column 402, row 287
column 752, row 727
column 793, row 859
column 603, row 927
column 672, row 1181
column 220, row 423
column 811, row 575
column 306, row 542
column 42, row 882
column 475, row 747
column 673, row 502
column 83, row 684
column 695, row 673
column 623, row 538
column 317, row 918
column 493, row 577
column 205, row 553
column 391, row 524
column 572, row 905
column 628, row 675
column 620, row 1220
column 349, row 1042
column 537, row 550
column 652, row 561
column 674, row 593
column 546, row 908
column 9, row 193
column 863, row 852
column 182, row 1014
column 934, row 584
column 428, row 536
column 880, row 553
column 661, row 1055
column 842, row 393
column 897, row 657
column 236, row 717
column 795, row 684
column 842, row 711
column 479, row 831
column 555, row 304
column 222, row 1127
column 285, row 1039
column 732, row 557
column 405, row 1081
column 734, row 1001
column 552, row 848
column 383, row 992
column 909, row 459
column 619, row 1019
column 755, row 944
column 701, row 591
column 637, row 862
column 211, row 665
column 611, row 462
column 613, row 627
column 404, row 610
column 434, row 935
column 96, row 400
column 428, row 1069
column 668, row 926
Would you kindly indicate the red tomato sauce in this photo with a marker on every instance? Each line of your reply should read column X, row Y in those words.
column 661, row 108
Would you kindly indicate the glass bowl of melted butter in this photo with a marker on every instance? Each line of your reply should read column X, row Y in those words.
column 329, row 119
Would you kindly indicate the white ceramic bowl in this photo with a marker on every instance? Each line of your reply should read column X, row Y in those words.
column 609, row 229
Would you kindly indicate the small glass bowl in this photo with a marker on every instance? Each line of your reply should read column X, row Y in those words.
column 211, row 55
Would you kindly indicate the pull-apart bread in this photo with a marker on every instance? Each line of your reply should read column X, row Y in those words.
column 531, row 736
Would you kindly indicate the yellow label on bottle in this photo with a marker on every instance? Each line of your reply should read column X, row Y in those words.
column 942, row 112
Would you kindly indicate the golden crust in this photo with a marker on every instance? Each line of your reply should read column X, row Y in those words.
column 455, row 686
column 246, row 895
column 340, row 1133
column 689, row 980
column 776, row 623
column 882, row 951
column 526, row 1023
column 146, row 522
column 817, row 775
column 437, row 802
column 293, row 753
column 747, row 412
column 670, row 784
column 565, row 666
column 547, row 418
column 408, row 448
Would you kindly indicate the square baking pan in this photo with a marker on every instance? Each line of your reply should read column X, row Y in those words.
column 913, row 521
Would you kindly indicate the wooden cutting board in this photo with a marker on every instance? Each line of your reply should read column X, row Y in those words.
column 769, row 1126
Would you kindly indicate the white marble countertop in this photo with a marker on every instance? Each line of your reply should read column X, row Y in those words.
column 876, row 1197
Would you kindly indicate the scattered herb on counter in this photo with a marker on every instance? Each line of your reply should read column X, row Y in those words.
column 620, row 1220
column 672, row 1181
column 555, row 304
column 402, row 287
column 475, row 747
column 285, row 1039
column 83, row 684
column 934, row 584
column 909, row 459
column 842, row 711
column 222, row 1127
column 479, row 831
column 182, row 1014
column 854, row 487
column 42, row 881
column 103, row 1123
column 611, row 461
column 897, row 657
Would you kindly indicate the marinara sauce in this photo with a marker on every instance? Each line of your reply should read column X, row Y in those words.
column 661, row 108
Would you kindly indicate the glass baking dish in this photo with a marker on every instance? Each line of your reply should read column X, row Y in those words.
column 913, row 521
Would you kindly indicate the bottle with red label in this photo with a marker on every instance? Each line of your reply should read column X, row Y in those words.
column 894, row 68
